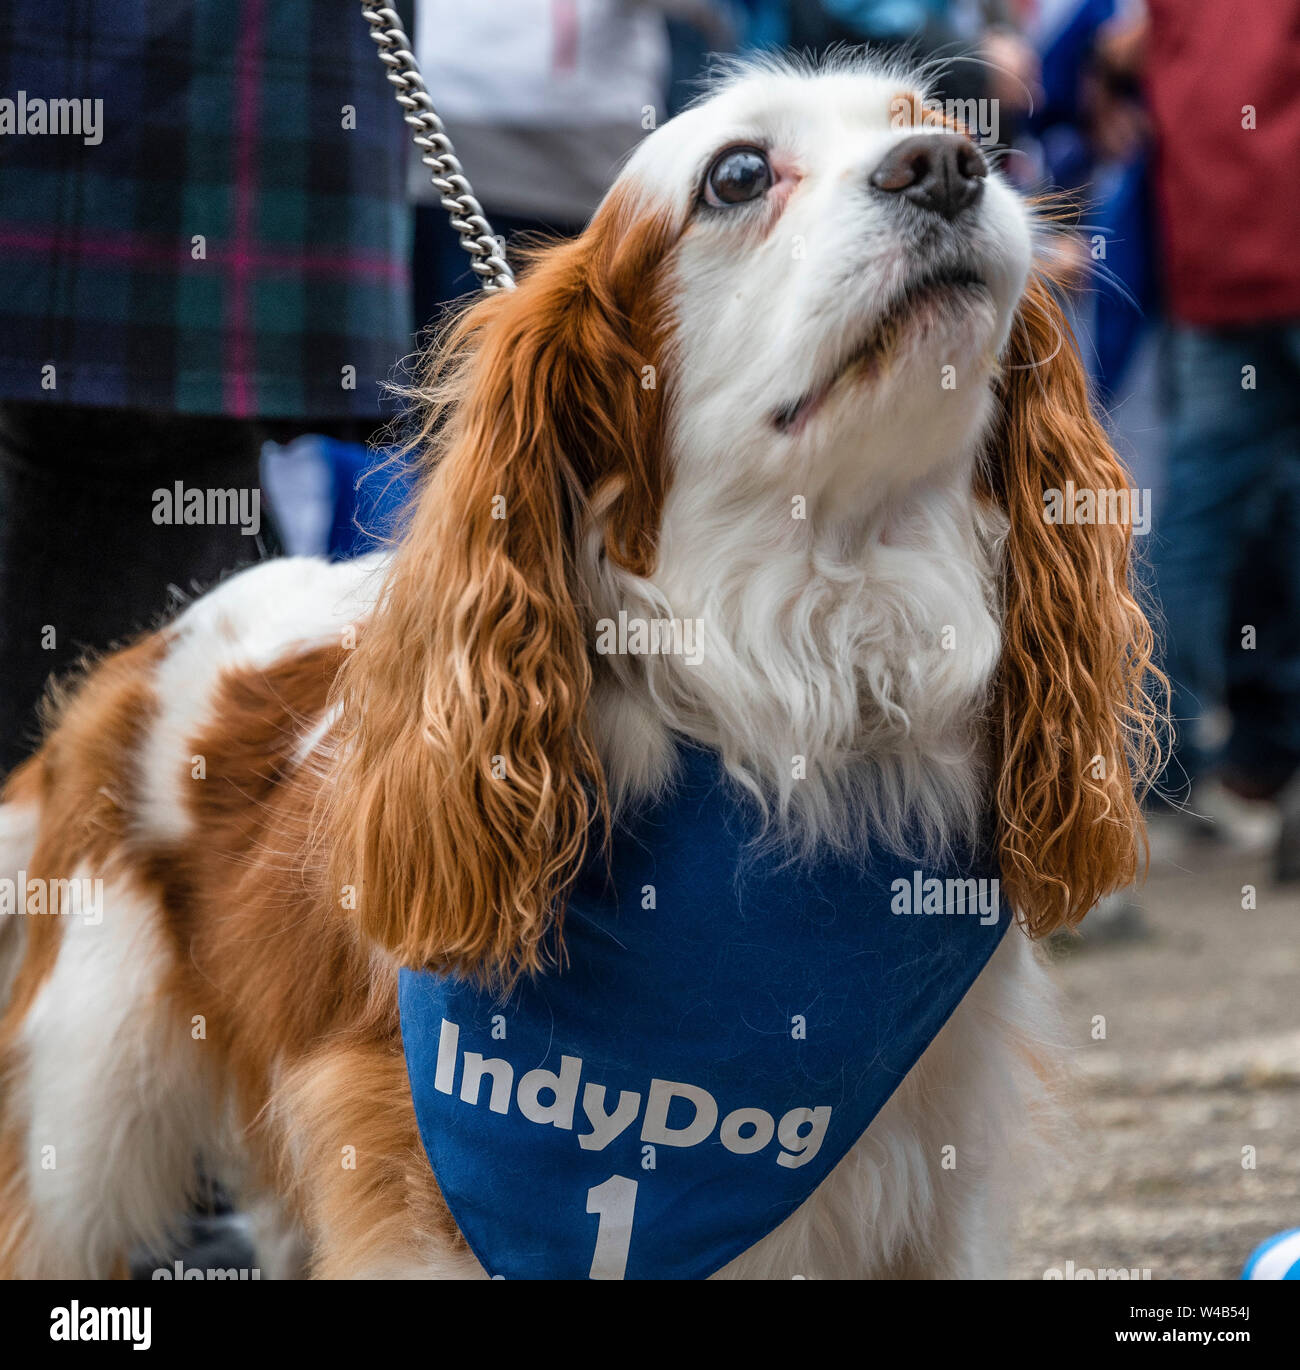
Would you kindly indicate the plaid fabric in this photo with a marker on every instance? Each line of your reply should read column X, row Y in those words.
column 220, row 118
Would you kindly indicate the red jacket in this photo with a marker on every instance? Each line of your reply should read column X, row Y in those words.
column 1227, row 195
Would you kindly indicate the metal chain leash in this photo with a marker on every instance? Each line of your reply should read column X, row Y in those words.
column 487, row 256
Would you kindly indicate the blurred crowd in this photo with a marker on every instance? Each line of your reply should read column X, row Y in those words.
column 212, row 293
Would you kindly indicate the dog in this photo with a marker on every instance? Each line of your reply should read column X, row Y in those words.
column 802, row 383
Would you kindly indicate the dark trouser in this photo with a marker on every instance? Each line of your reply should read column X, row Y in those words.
column 1227, row 555
column 85, row 562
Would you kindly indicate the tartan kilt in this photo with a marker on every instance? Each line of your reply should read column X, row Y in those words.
column 230, row 238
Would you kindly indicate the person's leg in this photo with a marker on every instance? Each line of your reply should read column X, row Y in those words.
column 83, row 563
column 1218, row 499
column 1264, row 678
column 1263, row 654
column 1278, row 711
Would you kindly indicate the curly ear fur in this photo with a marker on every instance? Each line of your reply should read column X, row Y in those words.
column 1076, row 695
column 468, row 782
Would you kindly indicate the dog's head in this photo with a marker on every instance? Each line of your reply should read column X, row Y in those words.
column 831, row 251
column 799, row 286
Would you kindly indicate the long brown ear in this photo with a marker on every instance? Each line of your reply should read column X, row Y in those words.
column 468, row 780
column 1075, row 702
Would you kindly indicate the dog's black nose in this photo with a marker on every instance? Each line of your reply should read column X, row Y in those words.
column 937, row 171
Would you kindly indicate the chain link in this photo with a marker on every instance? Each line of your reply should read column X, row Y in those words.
column 487, row 255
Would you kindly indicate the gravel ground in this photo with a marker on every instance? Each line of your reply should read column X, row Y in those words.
column 1200, row 1061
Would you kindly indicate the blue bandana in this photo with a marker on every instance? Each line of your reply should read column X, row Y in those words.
column 725, row 1029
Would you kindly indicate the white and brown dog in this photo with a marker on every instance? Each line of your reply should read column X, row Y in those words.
column 798, row 382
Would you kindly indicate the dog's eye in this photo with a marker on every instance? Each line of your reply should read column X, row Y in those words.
column 738, row 175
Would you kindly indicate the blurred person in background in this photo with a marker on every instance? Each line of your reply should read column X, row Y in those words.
column 224, row 255
column 1168, row 123
column 1222, row 82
